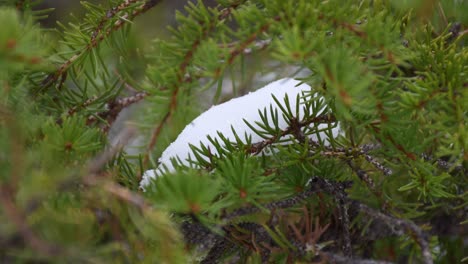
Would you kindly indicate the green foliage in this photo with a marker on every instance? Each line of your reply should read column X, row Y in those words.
column 392, row 75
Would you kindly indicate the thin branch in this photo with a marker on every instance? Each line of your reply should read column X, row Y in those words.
column 257, row 46
column 397, row 225
column 114, row 108
column 345, row 224
column 256, row 148
column 154, row 137
column 98, row 163
column 362, row 174
column 221, row 247
column 337, row 259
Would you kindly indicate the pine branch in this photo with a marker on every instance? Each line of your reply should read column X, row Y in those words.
column 98, row 35
column 293, row 129
column 183, row 77
column 114, row 107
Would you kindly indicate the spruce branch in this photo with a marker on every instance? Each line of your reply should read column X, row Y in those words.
column 399, row 147
column 183, row 76
column 257, row 46
column 99, row 34
column 293, row 129
column 242, row 45
column 114, row 107
column 284, row 203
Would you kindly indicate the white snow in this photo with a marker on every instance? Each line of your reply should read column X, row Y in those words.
column 232, row 113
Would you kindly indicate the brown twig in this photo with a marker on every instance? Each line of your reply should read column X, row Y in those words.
column 98, row 163
column 113, row 109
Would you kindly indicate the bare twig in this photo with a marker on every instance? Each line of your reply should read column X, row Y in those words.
column 113, row 109
column 399, row 226
column 362, row 174
column 345, row 224
column 337, row 259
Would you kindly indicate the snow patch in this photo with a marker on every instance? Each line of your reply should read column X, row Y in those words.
column 221, row 117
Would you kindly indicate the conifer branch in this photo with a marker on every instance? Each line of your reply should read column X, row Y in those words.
column 293, row 129
column 98, row 35
column 242, row 46
column 257, row 46
column 399, row 147
column 115, row 106
column 183, row 77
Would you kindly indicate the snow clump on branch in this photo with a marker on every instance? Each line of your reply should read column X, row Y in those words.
column 223, row 117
